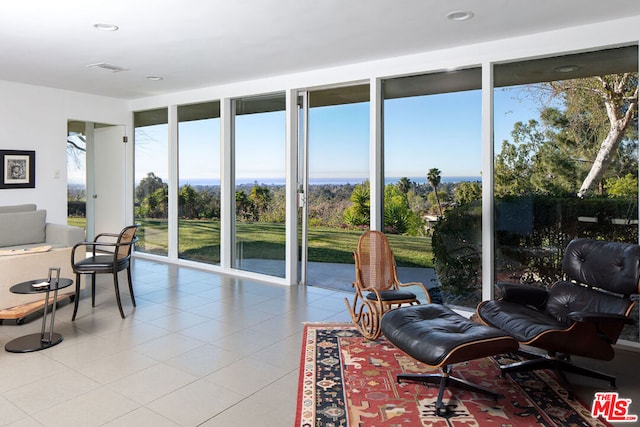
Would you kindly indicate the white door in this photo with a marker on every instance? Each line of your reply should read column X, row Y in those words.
column 109, row 179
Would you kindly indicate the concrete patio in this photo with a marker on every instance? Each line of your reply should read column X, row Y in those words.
column 338, row 276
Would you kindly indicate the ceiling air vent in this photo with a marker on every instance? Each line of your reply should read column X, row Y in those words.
column 109, row 67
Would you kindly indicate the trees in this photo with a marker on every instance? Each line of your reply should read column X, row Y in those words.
column 245, row 209
column 359, row 214
column 467, row 192
column 399, row 218
column 148, row 185
column 608, row 106
column 326, row 204
column 404, row 184
column 188, row 202
column 541, row 159
column 154, row 205
column 261, row 197
column 626, row 186
column 198, row 202
column 152, row 197
column 576, row 149
column 558, row 165
column 438, row 198
column 76, row 147
column 260, row 203
column 433, row 177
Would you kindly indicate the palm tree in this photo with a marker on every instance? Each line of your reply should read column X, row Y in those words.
column 433, row 176
column 404, row 184
column 359, row 212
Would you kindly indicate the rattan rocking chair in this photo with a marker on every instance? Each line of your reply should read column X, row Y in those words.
column 377, row 286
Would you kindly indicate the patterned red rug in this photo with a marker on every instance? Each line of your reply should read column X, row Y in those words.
column 346, row 380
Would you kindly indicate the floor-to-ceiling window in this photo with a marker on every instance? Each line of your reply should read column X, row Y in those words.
column 338, row 188
column 259, row 166
column 554, row 119
column 432, row 160
column 151, row 174
column 199, row 182
column 432, row 197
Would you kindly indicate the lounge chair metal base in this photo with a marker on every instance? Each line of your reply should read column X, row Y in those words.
column 445, row 380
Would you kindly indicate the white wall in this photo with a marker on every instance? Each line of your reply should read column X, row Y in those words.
column 35, row 118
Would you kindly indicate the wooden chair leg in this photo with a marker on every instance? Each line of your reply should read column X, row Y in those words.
column 76, row 299
column 117, row 289
column 366, row 317
column 93, row 289
column 133, row 298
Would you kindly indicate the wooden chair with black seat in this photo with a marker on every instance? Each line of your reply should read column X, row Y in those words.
column 110, row 253
column 581, row 315
column 377, row 286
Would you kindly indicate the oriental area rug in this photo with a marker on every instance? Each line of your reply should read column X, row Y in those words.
column 349, row 381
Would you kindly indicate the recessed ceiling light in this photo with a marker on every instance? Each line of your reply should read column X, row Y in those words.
column 154, row 78
column 566, row 68
column 105, row 27
column 460, row 15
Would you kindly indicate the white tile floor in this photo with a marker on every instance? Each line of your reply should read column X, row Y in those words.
column 200, row 349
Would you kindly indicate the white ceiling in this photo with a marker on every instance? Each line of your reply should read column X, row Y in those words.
column 198, row 43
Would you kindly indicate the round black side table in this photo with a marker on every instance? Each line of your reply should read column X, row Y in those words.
column 42, row 340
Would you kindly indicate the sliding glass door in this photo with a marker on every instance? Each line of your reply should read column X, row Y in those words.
column 334, row 182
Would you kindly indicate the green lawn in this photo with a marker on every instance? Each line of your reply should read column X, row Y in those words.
column 336, row 245
column 77, row 222
column 200, row 241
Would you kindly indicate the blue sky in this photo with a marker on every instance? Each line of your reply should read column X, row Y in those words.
column 436, row 131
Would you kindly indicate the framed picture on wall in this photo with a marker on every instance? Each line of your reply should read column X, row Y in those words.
column 18, row 169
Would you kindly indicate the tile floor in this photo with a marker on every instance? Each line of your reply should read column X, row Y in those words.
column 200, row 349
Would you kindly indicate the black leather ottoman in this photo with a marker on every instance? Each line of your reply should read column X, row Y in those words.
column 439, row 337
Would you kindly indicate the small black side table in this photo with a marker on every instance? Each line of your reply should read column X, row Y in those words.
column 42, row 340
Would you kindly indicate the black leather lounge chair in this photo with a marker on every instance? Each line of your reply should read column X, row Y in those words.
column 582, row 315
